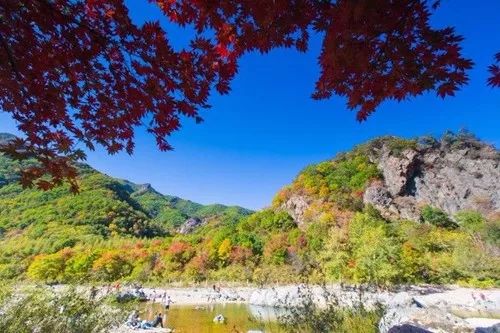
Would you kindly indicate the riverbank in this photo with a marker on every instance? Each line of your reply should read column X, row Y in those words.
column 447, row 307
column 293, row 294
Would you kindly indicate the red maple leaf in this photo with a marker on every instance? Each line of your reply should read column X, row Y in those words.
column 84, row 71
column 494, row 79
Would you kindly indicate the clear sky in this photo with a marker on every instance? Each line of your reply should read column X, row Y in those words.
column 257, row 138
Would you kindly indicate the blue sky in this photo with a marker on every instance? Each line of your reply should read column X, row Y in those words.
column 256, row 139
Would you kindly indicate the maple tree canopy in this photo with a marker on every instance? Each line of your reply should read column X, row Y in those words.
column 80, row 72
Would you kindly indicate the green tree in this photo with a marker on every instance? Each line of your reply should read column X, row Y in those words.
column 79, row 267
column 48, row 268
column 374, row 254
column 224, row 251
column 437, row 217
column 470, row 220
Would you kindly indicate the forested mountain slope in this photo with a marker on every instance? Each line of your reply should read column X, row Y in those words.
column 389, row 211
column 400, row 177
column 34, row 221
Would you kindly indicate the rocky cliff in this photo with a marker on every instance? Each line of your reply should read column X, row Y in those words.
column 457, row 172
column 450, row 174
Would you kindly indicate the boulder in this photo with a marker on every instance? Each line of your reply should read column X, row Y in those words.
column 190, row 225
column 407, row 328
column 421, row 320
column 296, row 206
column 485, row 325
column 219, row 319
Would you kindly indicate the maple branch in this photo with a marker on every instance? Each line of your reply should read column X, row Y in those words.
column 98, row 37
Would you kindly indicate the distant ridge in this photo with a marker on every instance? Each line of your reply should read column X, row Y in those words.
column 6, row 137
column 139, row 209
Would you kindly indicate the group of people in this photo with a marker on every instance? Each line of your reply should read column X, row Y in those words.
column 135, row 322
column 161, row 298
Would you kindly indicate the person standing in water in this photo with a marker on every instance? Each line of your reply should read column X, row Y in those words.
column 167, row 302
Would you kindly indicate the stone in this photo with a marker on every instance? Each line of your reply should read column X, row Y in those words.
column 483, row 325
column 296, row 206
column 420, row 320
column 407, row 328
column 219, row 319
column 190, row 225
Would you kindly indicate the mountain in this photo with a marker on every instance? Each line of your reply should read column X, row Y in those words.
column 105, row 203
column 104, row 207
column 399, row 178
column 5, row 138
column 389, row 211
column 454, row 174
column 174, row 211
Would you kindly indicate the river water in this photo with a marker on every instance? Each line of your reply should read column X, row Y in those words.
column 240, row 318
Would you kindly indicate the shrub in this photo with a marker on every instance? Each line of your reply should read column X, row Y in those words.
column 398, row 145
column 46, row 311
column 269, row 220
column 303, row 314
column 224, row 251
column 374, row 254
column 492, row 232
column 470, row 220
column 437, row 217
column 180, row 252
column 48, row 268
column 79, row 267
column 276, row 249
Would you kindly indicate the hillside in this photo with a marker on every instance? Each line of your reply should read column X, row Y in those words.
column 34, row 221
column 106, row 204
column 399, row 178
column 389, row 211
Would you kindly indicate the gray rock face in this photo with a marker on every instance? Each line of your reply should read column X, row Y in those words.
column 190, row 225
column 296, row 206
column 450, row 179
column 397, row 170
column 144, row 188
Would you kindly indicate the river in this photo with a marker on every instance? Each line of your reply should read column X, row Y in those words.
column 199, row 318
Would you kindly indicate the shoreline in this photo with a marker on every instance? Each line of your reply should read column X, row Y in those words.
column 276, row 295
column 451, row 306
column 465, row 309
column 462, row 300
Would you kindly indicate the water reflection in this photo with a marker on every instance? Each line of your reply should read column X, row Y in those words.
column 240, row 318
column 265, row 313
